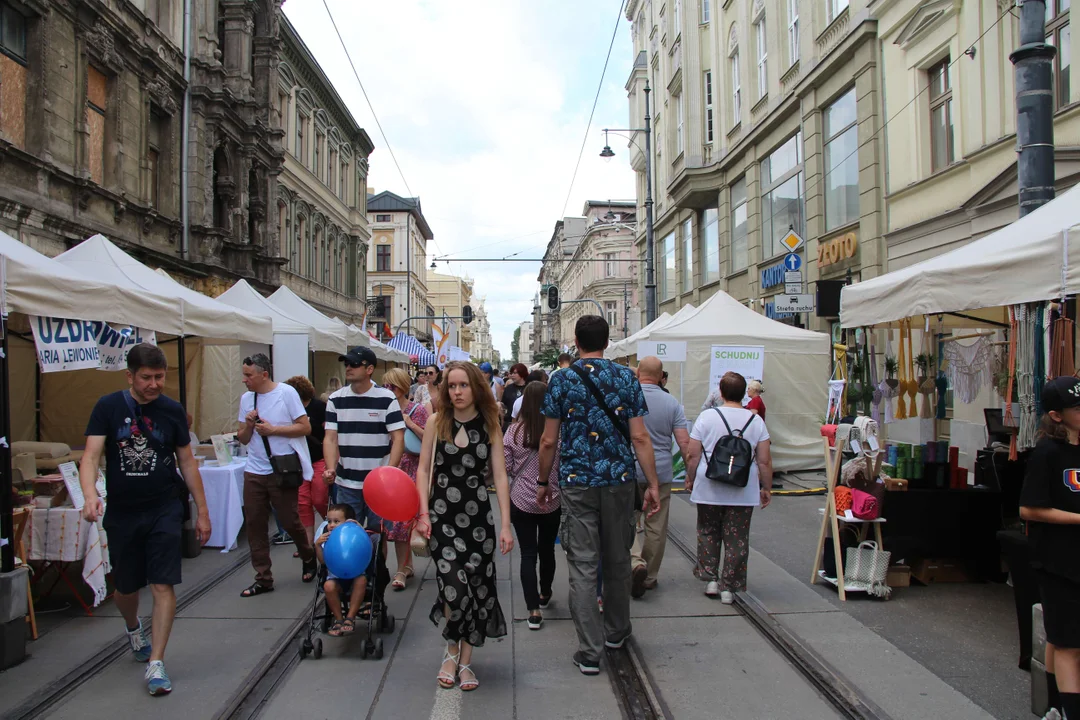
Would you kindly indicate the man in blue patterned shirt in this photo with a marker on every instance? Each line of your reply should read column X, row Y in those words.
column 597, row 484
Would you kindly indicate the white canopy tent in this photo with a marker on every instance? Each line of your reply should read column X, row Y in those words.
column 624, row 347
column 1032, row 259
column 302, row 310
column 796, row 369
column 245, row 297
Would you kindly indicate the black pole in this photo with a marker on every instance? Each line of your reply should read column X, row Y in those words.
column 650, row 269
column 1034, row 62
column 181, row 358
column 7, row 520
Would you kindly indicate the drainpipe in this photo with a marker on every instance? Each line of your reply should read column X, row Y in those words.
column 1034, row 61
column 185, row 137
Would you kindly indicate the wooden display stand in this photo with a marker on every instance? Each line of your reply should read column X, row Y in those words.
column 834, row 459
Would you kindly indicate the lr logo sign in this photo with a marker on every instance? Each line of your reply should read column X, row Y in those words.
column 670, row 351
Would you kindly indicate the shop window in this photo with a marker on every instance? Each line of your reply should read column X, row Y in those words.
column 762, row 57
column 841, row 162
column 687, row 256
column 1059, row 35
column 710, row 246
column 781, row 195
column 667, row 269
column 709, row 117
column 12, row 75
column 96, row 107
column 740, row 256
column 941, row 121
column 382, row 258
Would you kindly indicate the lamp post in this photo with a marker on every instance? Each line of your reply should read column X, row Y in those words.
column 650, row 269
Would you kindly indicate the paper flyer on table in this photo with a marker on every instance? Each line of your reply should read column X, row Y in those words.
column 70, row 473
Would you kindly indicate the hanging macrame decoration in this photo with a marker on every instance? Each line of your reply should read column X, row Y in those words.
column 834, row 411
column 1010, row 368
column 967, row 367
column 876, row 395
column 1025, row 375
column 889, row 387
column 1061, row 352
column 926, row 384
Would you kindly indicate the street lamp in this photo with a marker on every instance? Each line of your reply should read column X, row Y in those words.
column 606, row 153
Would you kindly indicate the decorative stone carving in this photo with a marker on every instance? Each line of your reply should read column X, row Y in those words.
column 733, row 39
column 119, row 209
column 759, row 10
column 100, row 42
column 161, row 93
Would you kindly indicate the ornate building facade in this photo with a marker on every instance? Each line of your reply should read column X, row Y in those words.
column 397, row 266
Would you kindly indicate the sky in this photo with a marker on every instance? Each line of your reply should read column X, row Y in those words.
column 485, row 106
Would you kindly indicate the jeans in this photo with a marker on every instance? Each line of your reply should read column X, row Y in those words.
column 599, row 523
column 536, row 539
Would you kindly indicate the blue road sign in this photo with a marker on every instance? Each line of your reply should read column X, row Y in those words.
column 792, row 262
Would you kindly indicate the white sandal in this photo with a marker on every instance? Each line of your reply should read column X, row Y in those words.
column 446, row 679
column 467, row 685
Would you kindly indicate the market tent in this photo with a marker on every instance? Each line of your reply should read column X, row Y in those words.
column 1029, row 260
column 203, row 316
column 624, row 347
column 245, row 297
column 796, row 369
column 300, row 309
column 411, row 346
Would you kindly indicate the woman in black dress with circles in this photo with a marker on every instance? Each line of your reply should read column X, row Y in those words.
column 458, row 520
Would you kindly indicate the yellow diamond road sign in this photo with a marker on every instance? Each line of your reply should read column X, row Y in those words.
column 792, row 241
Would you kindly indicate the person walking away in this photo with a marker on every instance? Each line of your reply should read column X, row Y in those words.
column 415, row 416
column 513, row 390
column 313, row 496
column 364, row 430
column 564, row 361
column 535, row 376
column 754, row 391
column 666, row 418
column 462, row 440
column 144, row 436
column 536, row 525
column 596, row 409
column 272, row 417
column 724, row 510
column 436, row 388
column 493, row 380
column 1050, row 503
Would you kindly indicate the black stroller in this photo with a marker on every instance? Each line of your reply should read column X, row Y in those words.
column 378, row 618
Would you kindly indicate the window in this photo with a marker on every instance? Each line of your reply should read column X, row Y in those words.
column 687, row 256
column 317, row 165
column 611, row 311
column 301, row 121
column 781, row 195
column 676, row 26
column 300, row 246
column 762, row 58
column 12, row 75
column 383, row 305
column 382, row 258
column 12, row 33
column 706, row 11
column 678, row 129
column 941, row 125
column 96, row 101
column 155, row 136
column 710, row 246
column 736, row 90
column 841, row 162
column 793, row 31
column 709, row 133
column 283, row 112
column 609, row 264
column 835, row 7
column 1059, row 35
column 383, row 218
column 740, row 255
column 667, row 269
column 331, row 161
column 343, row 181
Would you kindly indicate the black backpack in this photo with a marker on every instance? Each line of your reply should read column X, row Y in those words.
column 732, row 456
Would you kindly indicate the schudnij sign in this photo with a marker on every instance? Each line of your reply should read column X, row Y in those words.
column 747, row 360
column 64, row 344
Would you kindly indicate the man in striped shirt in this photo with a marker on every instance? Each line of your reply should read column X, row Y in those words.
column 364, row 430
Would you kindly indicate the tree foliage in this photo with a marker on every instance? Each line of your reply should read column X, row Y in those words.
column 515, row 345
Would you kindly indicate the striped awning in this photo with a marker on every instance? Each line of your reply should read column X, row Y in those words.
column 412, row 346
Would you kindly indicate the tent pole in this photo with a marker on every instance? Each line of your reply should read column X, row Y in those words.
column 37, row 402
column 182, row 359
column 7, row 520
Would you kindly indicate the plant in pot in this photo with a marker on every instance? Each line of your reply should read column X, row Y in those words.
column 856, row 392
column 891, row 368
column 923, row 361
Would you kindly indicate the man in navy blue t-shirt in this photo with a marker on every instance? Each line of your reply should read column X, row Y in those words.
column 144, row 436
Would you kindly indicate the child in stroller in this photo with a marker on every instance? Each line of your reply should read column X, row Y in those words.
column 335, row 587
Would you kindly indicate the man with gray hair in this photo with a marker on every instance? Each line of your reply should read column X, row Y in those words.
column 666, row 418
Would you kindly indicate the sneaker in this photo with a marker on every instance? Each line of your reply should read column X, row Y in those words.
column 544, row 602
column 587, row 667
column 616, row 644
column 637, row 581
column 536, row 622
column 281, row 538
column 139, row 643
column 712, row 589
column 1053, row 714
column 726, row 597
column 157, row 682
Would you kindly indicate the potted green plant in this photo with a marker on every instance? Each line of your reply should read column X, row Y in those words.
column 891, row 367
column 924, row 361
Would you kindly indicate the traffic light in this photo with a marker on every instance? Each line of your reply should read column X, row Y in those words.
column 552, row 297
column 466, row 314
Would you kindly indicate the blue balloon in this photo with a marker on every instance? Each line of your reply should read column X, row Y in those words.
column 347, row 551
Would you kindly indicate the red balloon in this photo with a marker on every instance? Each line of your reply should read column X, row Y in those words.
column 391, row 494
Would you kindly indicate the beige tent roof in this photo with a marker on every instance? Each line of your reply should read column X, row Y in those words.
column 302, row 310
column 245, row 297
column 38, row 285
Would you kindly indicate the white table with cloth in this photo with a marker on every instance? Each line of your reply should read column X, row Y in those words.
column 60, row 535
column 224, row 487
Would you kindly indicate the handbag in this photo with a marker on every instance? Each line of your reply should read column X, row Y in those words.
column 413, row 442
column 417, row 542
column 842, row 498
column 287, row 468
column 867, row 567
column 864, row 505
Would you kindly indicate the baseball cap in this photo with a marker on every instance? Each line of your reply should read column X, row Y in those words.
column 359, row 356
column 485, row 367
column 1061, row 393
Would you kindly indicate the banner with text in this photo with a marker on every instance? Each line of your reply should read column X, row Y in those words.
column 671, row 351
column 747, row 360
column 63, row 344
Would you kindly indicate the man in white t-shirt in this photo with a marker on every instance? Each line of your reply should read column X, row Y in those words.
column 273, row 414
column 724, row 510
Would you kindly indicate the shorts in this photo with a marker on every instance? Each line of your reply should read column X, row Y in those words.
column 1061, row 609
column 355, row 497
column 144, row 545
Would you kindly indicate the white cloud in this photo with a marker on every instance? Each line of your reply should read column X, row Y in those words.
column 485, row 106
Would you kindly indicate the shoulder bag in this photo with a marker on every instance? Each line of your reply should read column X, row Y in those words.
column 413, row 443
column 287, row 468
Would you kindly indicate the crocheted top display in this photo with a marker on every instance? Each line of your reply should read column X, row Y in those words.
column 967, row 368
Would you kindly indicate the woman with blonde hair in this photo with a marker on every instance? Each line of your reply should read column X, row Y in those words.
column 459, row 443
column 415, row 415
column 332, row 386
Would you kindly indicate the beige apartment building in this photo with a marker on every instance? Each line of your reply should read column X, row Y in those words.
column 766, row 119
column 447, row 295
column 397, row 265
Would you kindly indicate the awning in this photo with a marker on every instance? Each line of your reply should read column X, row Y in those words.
column 245, row 297
column 300, row 309
column 411, row 346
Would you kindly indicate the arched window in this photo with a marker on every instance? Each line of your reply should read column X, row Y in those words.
column 316, row 256
column 284, row 239
column 300, row 245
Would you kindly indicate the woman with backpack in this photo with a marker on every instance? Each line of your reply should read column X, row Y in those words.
column 728, row 474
